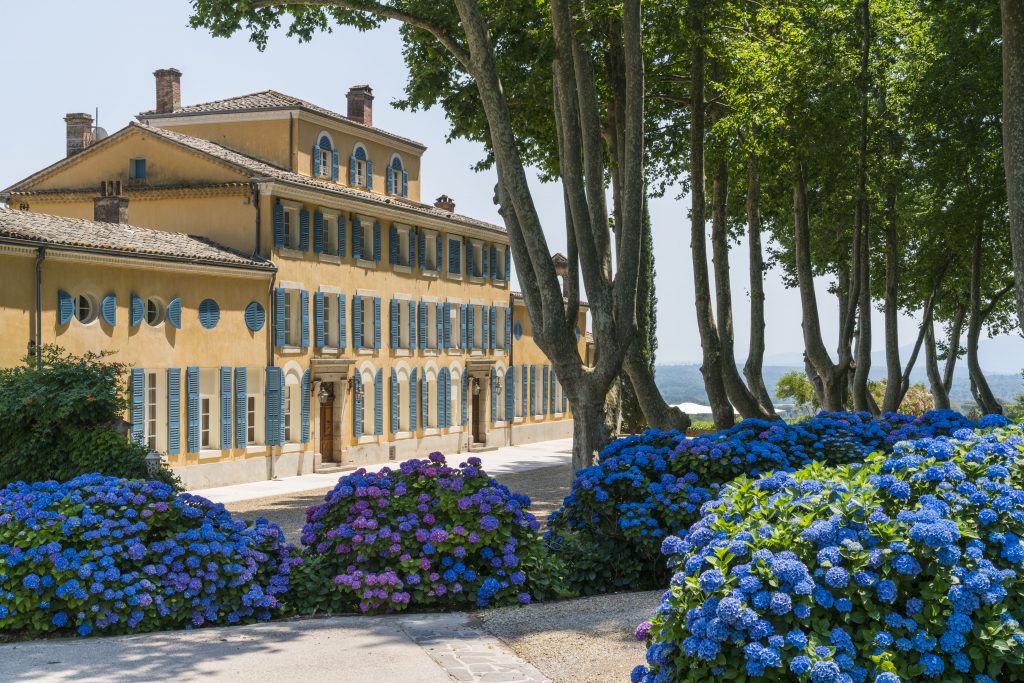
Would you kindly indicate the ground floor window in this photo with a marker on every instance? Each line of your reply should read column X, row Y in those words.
column 150, row 426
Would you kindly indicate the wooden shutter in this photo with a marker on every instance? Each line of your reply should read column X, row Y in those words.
column 395, row 414
column 65, row 307
column 393, row 245
column 173, row 411
column 241, row 409
column 423, row 324
column 334, row 165
column 357, row 239
column 273, row 400
column 342, row 332
column 510, row 394
column 446, row 312
column 413, row 408
column 303, row 229
column 485, row 328
column 508, row 264
column 424, row 400
column 465, row 392
column 304, row 387
column 544, row 390
column 342, row 237
column 393, row 319
column 494, row 261
column 508, row 329
column 485, row 264
column 494, row 327
column 319, row 324
column 470, row 324
column 438, row 251
column 357, row 405
column 369, row 174
column 390, row 181
column 423, row 251
column 522, row 371
column 376, row 241
column 413, row 242
column 278, row 225
column 494, row 395
column 138, row 310
column 192, row 395
column 533, row 390
column 378, row 402
column 405, row 183
column 412, row 323
column 318, row 232
column 138, row 388
column 463, row 327
column 376, row 322
column 304, row 319
column 108, row 308
column 352, row 170
column 280, row 325
column 225, row 407
column 357, row 322
column 439, row 320
column 316, row 161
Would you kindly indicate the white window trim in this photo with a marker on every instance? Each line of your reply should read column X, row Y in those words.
column 399, row 436
column 292, row 208
column 431, row 236
column 332, row 215
column 431, row 431
column 367, row 438
column 401, row 269
column 210, row 454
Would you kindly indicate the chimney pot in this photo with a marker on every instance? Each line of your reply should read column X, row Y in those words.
column 80, row 132
column 360, row 104
column 111, row 206
column 445, row 203
column 168, row 90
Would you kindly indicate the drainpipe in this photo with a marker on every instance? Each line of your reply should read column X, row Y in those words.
column 291, row 142
column 270, row 356
column 256, row 200
column 39, row 306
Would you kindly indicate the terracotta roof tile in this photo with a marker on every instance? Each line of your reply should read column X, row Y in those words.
column 120, row 239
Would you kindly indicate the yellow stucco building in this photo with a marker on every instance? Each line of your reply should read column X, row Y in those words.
column 286, row 300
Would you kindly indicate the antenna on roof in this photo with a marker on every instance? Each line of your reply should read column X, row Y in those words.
column 99, row 133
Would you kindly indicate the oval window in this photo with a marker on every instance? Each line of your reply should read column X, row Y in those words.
column 154, row 312
column 209, row 313
column 255, row 316
column 86, row 309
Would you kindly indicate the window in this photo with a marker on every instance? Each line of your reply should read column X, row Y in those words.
column 478, row 327
column 292, row 318
column 499, row 396
column 403, row 401
column 288, row 396
column 330, row 233
column 209, row 405
column 456, row 409
column 86, row 309
column 536, row 398
column 250, row 413
column 455, row 313
column 474, row 252
column 499, row 326
column 430, row 399
column 430, row 256
column 154, row 312
column 150, row 407
column 205, row 412
column 515, row 376
column 454, row 256
column 366, row 225
column 398, row 179
column 368, row 324
column 137, row 169
column 330, row 320
column 556, row 391
column 498, row 256
column 368, row 403
column 325, row 162
column 405, row 316
column 432, row 325
column 291, row 236
column 360, row 168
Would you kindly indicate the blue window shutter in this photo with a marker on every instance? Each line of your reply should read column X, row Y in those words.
column 241, row 409
column 533, row 389
column 438, row 251
column 316, row 161
column 376, row 241
column 485, row 328
column 413, row 245
column 192, row 392
column 303, row 230
column 423, row 324
column 225, row 407
column 470, row 327
column 334, row 165
column 342, row 237
column 369, row 174
column 405, row 183
column 413, row 409
column 439, row 319
column 447, row 398
column 342, row 332
column 393, row 246
column 526, row 389
column 424, row 400
column 376, row 322
column 319, row 324
column 357, row 322
column 465, row 392
column 494, row 261
column 304, row 319
column 453, row 256
column 352, row 170
column 390, row 178
column 304, row 402
column 462, row 326
column 378, row 402
column 508, row 328
column 544, row 390
column 357, row 239
column 357, row 405
column 138, row 388
column 318, row 232
column 494, row 395
column 279, row 322
column 395, row 415
column 470, row 260
column 439, row 410
column 485, row 265
column 508, row 264
column 174, row 313
column 494, row 327
column 510, row 394
column 138, row 310
column 278, row 225
column 273, row 404
column 65, row 307
column 394, row 319
column 173, row 410
column 412, row 323
column 423, row 251
column 109, row 309
column 554, row 408
column 446, row 317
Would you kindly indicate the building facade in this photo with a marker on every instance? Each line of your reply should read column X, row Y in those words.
column 287, row 302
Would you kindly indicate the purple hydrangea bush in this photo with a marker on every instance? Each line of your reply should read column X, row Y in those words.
column 646, row 487
column 424, row 535
column 909, row 567
column 99, row 554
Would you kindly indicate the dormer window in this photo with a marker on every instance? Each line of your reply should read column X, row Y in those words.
column 360, row 169
column 325, row 158
column 398, row 178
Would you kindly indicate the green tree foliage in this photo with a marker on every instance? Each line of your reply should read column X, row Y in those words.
column 794, row 386
column 63, row 417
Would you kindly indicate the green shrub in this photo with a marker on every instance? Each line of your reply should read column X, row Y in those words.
column 64, row 417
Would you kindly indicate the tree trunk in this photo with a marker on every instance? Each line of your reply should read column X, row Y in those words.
column 752, row 369
column 862, row 399
column 940, row 396
column 589, row 430
column 894, row 375
column 1013, row 134
column 987, row 402
column 956, row 328
column 711, row 368
column 657, row 412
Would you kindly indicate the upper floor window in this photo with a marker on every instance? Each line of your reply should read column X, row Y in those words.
column 360, row 168
column 291, row 229
column 325, row 158
column 398, row 178
column 137, row 169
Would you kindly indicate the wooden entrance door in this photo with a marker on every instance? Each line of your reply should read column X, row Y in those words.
column 478, row 411
column 327, row 431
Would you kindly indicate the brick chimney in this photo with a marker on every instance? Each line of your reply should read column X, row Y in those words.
column 168, row 90
column 445, row 203
column 360, row 104
column 110, row 206
column 80, row 132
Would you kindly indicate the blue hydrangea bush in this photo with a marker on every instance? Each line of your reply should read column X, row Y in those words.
column 905, row 568
column 425, row 535
column 646, row 487
column 100, row 554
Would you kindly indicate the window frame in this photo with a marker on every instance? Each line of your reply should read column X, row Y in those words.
column 93, row 308
column 151, row 410
column 133, row 168
column 331, row 246
column 209, row 409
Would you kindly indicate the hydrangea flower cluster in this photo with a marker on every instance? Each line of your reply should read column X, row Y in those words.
column 99, row 554
column 424, row 534
column 907, row 567
column 649, row 486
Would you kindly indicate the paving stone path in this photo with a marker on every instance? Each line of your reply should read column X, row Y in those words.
column 467, row 654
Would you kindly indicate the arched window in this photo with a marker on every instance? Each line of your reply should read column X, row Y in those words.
column 398, row 178
column 403, row 400
column 430, row 398
column 325, row 158
column 369, row 400
column 292, row 406
column 456, row 400
column 360, row 168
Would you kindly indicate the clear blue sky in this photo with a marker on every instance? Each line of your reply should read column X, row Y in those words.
column 102, row 54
